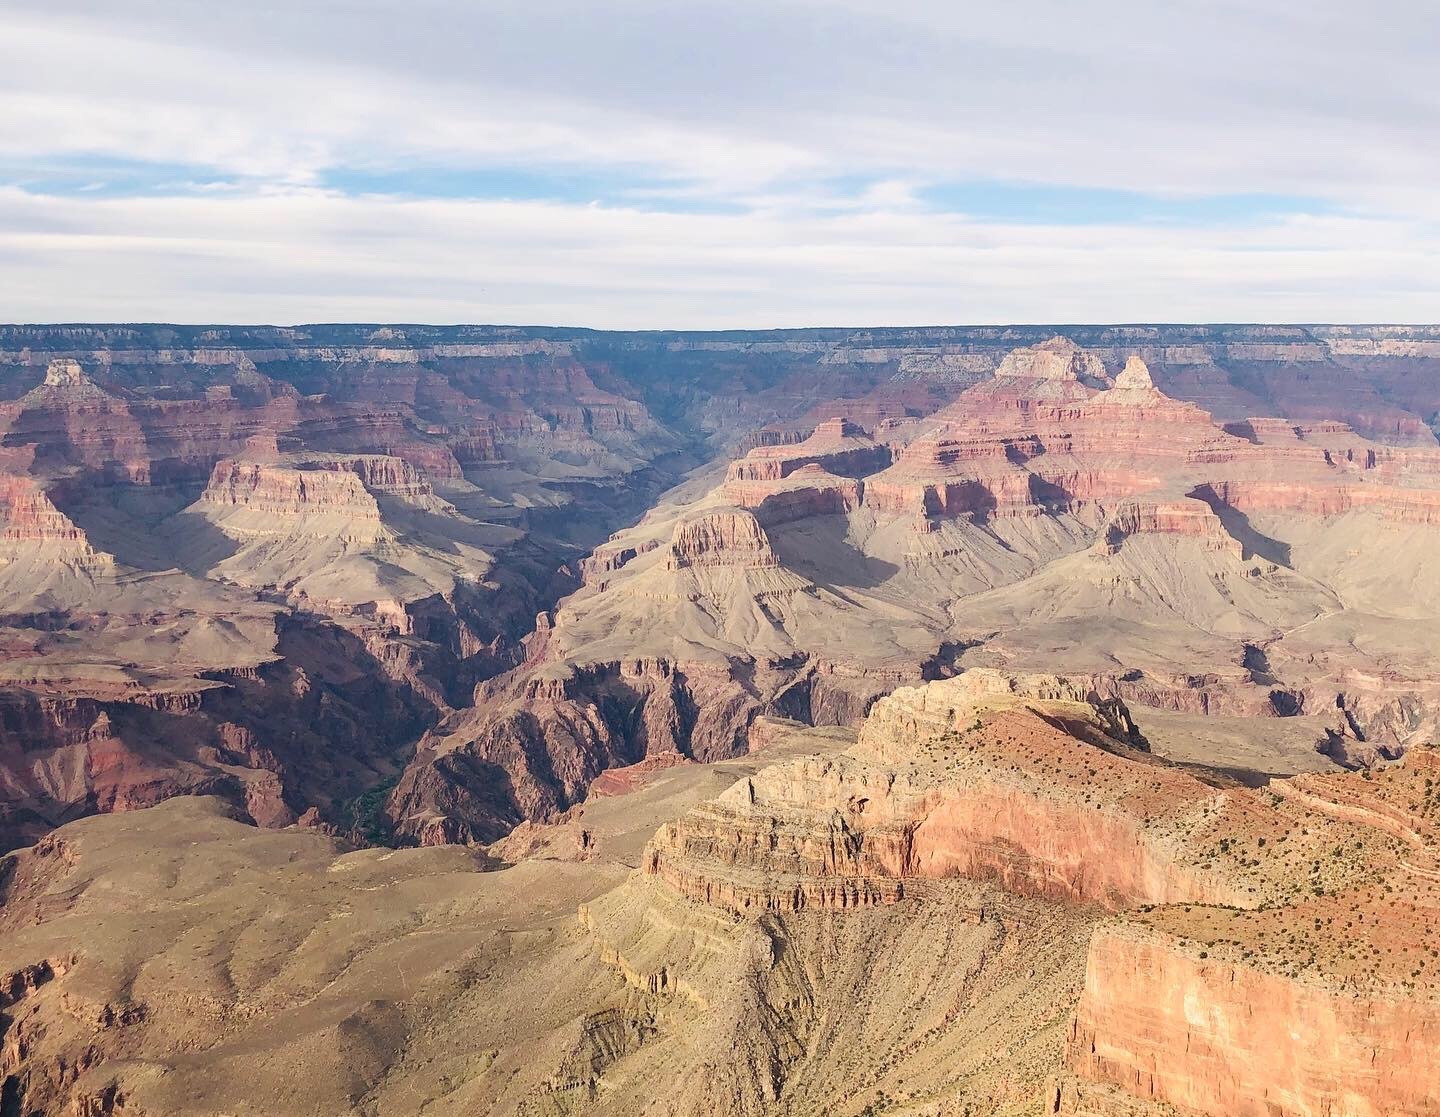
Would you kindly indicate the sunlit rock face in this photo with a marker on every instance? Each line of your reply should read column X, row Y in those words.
column 1267, row 951
column 1046, row 496
column 886, row 499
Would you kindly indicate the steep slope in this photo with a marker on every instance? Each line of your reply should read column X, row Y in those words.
column 45, row 560
column 1254, row 968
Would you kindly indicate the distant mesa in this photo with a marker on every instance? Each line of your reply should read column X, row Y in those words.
column 722, row 538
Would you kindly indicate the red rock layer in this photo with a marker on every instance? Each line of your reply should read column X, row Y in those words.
column 1191, row 518
column 1322, row 1001
column 73, row 423
column 382, row 474
column 1411, row 506
column 847, row 832
column 318, row 726
column 553, row 728
column 1278, row 950
column 837, row 445
column 1166, row 1021
column 808, row 491
column 28, row 516
column 1008, row 447
column 949, row 476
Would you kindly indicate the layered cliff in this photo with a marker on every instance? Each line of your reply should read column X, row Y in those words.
column 900, row 475
column 274, row 491
column 167, row 512
column 721, row 538
column 1033, row 782
column 1171, row 1019
column 838, row 446
column 73, row 423
column 1272, row 954
column 1324, row 1003
column 996, row 898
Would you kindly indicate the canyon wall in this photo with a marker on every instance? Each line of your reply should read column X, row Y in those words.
column 1166, row 1021
column 429, row 491
column 1267, row 953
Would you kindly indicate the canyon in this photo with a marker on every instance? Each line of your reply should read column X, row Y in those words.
column 998, row 896
column 920, row 721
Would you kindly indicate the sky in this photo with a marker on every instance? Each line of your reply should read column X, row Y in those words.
column 754, row 163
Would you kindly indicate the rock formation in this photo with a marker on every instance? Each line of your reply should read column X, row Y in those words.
column 999, row 897
column 1036, row 521
column 1272, row 948
column 837, row 445
column 428, row 492
column 932, row 721
column 721, row 539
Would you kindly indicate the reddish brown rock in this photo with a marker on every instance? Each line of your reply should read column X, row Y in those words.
column 1324, row 1003
column 849, row 832
column 280, row 491
column 838, row 446
column 1188, row 518
column 74, row 423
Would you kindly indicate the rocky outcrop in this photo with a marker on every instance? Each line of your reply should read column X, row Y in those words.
column 947, row 799
column 1058, row 359
column 838, row 446
column 1252, row 969
column 386, row 475
column 1187, row 518
column 73, row 423
column 721, row 538
column 808, row 491
column 46, row 561
column 532, row 753
column 1170, row 1021
column 1409, row 506
column 1135, row 378
column 538, row 738
column 278, row 491
column 28, row 517
column 1006, row 448
column 607, row 559
column 950, row 477
column 318, row 725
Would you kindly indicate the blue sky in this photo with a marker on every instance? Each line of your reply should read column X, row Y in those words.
column 980, row 199
column 687, row 164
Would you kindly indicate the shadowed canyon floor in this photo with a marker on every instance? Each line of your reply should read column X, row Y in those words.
column 935, row 721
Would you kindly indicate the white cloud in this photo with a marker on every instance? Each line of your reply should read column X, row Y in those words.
column 1183, row 96
column 749, row 103
column 315, row 256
